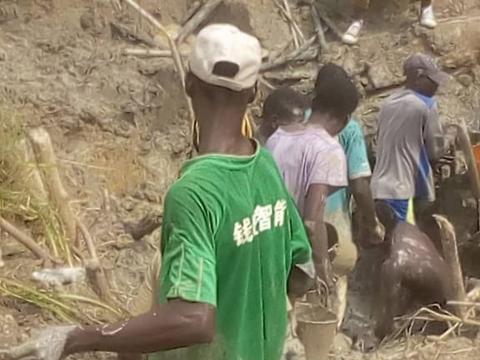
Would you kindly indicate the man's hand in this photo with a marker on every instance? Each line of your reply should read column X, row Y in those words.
column 325, row 273
column 48, row 344
column 373, row 235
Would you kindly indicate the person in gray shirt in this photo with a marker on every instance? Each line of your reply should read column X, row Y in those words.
column 410, row 139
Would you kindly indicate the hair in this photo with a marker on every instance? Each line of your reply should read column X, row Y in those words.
column 285, row 102
column 335, row 91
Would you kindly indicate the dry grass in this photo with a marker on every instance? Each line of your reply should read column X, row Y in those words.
column 20, row 203
column 68, row 308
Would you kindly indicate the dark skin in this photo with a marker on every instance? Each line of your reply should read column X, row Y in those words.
column 360, row 189
column 180, row 323
column 421, row 84
column 362, row 193
column 271, row 123
column 316, row 198
column 413, row 272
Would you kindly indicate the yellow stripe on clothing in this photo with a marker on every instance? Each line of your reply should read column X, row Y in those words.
column 410, row 213
column 247, row 129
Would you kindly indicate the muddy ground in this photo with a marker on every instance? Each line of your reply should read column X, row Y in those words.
column 120, row 123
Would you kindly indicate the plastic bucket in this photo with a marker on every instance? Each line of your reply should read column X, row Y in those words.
column 316, row 329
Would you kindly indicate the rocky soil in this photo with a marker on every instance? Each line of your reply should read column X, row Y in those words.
column 120, row 123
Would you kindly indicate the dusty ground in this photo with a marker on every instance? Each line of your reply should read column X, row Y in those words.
column 120, row 124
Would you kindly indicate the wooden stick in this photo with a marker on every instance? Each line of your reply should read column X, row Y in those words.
column 34, row 176
column 24, row 239
column 150, row 53
column 293, row 56
column 464, row 303
column 447, row 318
column 265, row 82
column 190, row 12
column 197, row 19
column 466, row 146
column 287, row 13
column 450, row 253
column 331, row 25
column 45, row 156
column 173, row 48
column 473, row 171
column 318, row 27
column 95, row 271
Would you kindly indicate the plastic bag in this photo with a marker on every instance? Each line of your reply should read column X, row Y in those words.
column 47, row 344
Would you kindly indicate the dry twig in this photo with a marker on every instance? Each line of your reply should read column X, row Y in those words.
column 94, row 268
column 297, row 34
column 302, row 53
column 318, row 27
column 173, row 48
column 331, row 25
column 197, row 19
column 46, row 160
column 450, row 252
column 150, row 53
column 193, row 8
column 25, row 240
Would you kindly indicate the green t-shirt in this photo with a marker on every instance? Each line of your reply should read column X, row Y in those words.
column 231, row 235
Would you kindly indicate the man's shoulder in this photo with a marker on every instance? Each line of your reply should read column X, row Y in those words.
column 405, row 99
column 195, row 181
column 323, row 141
column 183, row 188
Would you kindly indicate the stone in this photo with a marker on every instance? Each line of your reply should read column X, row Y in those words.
column 380, row 76
column 3, row 55
column 465, row 79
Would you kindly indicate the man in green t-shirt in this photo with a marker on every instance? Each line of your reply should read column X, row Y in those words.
column 231, row 238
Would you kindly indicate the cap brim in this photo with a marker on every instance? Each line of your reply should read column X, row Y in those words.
column 440, row 77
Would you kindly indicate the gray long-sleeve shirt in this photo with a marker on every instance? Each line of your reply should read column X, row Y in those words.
column 409, row 137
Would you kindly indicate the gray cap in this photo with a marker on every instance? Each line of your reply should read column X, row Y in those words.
column 421, row 64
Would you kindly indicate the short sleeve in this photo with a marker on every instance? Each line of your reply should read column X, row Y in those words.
column 301, row 249
column 329, row 167
column 355, row 148
column 188, row 251
column 433, row 134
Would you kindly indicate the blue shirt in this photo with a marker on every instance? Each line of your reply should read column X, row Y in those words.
column 353, row 143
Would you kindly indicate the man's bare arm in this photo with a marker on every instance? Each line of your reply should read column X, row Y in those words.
column 360, row 189
column 299, row 283
column 317, row 232
column 168, row 326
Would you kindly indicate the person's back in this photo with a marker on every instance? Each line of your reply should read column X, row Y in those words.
column 402, row 168
column 414, row 272
column 248, row 243
column 410, row 138
column 306, row 156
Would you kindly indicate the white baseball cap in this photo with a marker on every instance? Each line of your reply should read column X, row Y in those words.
column 219, row 43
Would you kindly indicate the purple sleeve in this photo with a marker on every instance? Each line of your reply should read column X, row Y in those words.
column 329, row 167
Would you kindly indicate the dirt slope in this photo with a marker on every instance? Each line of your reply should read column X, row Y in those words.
column 120, row 124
